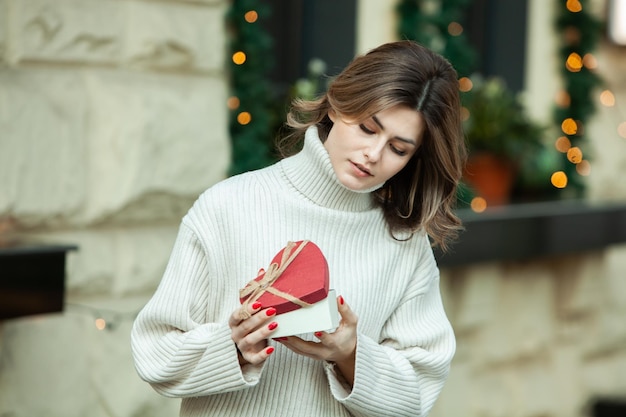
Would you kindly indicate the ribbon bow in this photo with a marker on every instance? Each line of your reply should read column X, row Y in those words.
column 255, row 289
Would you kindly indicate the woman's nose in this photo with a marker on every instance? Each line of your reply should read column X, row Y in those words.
column 373, row 151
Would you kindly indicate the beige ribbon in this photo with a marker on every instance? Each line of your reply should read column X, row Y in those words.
column 255, row 289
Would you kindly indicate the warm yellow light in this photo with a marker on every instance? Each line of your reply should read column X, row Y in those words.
column 563, row 144
column 607, row 98
column 239, row 57
column 233, row 103
column 244, row 118
column 465, row 84
column 590, row 61
column 251, row 16
column 621, row 129
column 574, row 155
column 574, row 62
column 569, row 126
column 478, row 204
column 101, row 324
column 574, row 6
column 562, row 99
column 559, row 179
column 583, row 168
column 455, row 29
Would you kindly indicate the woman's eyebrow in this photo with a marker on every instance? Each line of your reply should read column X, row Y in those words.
column 409, row 141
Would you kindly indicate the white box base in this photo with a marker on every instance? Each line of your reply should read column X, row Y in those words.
column 321, row 316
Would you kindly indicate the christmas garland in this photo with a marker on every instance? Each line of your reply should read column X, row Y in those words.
column 251, row 102
column 579, row 32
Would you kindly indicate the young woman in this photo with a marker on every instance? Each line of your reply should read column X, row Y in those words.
column 374, row 187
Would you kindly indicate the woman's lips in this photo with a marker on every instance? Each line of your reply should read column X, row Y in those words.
column 360, row 170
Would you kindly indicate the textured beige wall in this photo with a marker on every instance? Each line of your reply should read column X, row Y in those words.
column 112, row 121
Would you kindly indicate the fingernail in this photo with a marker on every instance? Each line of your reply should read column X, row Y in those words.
column 318, row 334
column 256, row 305
column 279, row 339
column 272, row 325
column 341, row 300
column 270, row 311
column 269, row 350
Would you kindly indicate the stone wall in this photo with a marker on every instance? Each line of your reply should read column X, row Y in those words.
column 113, row 119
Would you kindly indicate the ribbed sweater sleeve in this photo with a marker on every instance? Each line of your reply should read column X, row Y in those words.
column 404, row 372
column 176, row 346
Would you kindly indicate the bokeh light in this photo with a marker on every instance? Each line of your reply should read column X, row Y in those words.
column 590, row 61
column 583, row 168
column 239, row 57
column 562, row 144
column 569, row 126
column 465, row 84
column 607, row 98
column 574, row 155
column 621, row 129
column 455, row 29
column 244, row 118
column 101, row 324
column 251, row 16
column 562, row 99
column 478, row 204
column 574, row 62
column 559, row 179
column 233, row 103
column 574, row 6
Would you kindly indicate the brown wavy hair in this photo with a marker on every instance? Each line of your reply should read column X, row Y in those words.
column 423, row 194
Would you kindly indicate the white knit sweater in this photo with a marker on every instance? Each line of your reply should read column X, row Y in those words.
column 181, row 341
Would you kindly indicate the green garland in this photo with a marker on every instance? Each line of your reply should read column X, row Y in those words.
column 251, row 142
column 579, row 33
column 427, row 22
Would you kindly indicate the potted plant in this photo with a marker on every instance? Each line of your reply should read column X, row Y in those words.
column 500, row 138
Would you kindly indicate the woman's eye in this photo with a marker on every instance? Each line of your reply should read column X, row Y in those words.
column 397, row 151
column 366, row 130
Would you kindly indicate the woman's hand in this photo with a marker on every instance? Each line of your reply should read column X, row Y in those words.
column 338, row 347
column 250, row 335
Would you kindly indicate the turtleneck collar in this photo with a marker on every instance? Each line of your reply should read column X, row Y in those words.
column 311, row 173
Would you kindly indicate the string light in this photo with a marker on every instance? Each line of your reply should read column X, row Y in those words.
column 590, row 61
column 563, row 144
column 233, row 103
column 244, row 118
column 607, row 98
column 239, row 57
column 455, row 29
column 478, row 204
column 559, row 179
column 574, row 155
column 569, row 126
column 574, row 62
column 465, row 84
column 574, row 6
column 583, row 168
column 104, row 319
column 251, row 16
column 562, row 99
column 621, row 130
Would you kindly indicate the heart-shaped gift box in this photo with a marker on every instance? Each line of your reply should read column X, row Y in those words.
column 297, row 277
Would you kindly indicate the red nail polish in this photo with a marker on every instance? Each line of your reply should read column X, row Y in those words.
column 318, row 334
column 256, row 305
column 341, row 300
column 272, row 325
column 269, row 350
column 279, row 339
column 270, row 311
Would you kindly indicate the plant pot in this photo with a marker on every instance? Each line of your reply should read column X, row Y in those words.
column 492, row 177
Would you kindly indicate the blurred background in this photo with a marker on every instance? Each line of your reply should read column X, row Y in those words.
column 116, row 115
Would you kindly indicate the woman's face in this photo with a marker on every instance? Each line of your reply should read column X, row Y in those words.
column 366, row 153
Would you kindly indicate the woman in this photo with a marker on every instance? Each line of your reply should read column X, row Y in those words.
column 376, row 178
